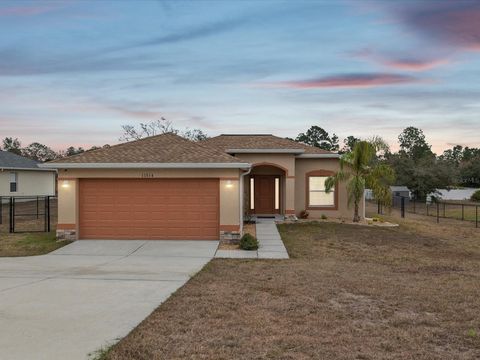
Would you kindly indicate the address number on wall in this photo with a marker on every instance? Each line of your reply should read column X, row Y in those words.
column 147, row 175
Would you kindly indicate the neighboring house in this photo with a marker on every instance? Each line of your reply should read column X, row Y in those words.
column 20, row 176
column 401, row 191
column 167, row 187
column 455, row 194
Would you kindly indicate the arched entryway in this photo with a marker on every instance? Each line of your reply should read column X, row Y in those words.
column 265, row 190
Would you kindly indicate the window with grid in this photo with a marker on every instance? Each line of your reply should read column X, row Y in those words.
column 317, row 196
column 13, row 182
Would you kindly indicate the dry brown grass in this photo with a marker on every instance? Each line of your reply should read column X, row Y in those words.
column 349, row 292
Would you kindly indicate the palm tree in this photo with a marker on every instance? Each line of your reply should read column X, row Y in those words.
column 359, row 169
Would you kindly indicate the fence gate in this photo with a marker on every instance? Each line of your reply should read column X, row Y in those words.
column 26, row 213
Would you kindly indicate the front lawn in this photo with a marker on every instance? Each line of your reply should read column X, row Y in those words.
column 349, row 292
column 27, row 244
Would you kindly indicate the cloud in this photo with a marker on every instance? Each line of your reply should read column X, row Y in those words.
column 348, row 81
column 15, row 62
column 193, row 33
column 412, row 64
column 32, row 10
column 402, row 62
column 453, row 23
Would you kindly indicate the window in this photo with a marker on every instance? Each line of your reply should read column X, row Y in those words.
column 252, row 193
column 317, row 196
column 13, row 182
column 277, row 193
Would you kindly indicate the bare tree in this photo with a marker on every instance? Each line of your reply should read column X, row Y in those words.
column 157, row 127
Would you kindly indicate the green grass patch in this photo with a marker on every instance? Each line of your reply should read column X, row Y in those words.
column 28, row 244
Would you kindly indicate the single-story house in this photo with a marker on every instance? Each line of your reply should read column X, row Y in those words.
column 167, row 187
column 20, row 176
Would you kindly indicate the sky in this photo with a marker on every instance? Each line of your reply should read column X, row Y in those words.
column 73, row 72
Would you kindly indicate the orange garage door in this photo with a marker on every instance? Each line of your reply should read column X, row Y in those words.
column 149, row 209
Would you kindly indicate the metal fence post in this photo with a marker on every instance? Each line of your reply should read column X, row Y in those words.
column 12, row 216
column 444, row 206
column 402, row 202
column 48, row 213
column 463, row 212
column 438, row 212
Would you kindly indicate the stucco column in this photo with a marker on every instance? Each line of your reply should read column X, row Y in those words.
column 67, row 209
column 290, row 195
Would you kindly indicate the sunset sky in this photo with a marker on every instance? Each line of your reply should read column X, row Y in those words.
column 72, row 72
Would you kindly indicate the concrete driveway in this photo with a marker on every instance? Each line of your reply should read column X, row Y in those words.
column 83, row 296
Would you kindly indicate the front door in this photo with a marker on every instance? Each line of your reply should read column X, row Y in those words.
column 264, row 194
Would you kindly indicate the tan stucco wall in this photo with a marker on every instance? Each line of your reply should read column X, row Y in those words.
column 67, row 201
column 285, row 161
column 144, row 173
column 229, row 196
column 304, row 166
column 229, row 202
column 29, row 183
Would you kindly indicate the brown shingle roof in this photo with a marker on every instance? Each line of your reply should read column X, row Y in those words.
column 260, row 141
column 165, row 148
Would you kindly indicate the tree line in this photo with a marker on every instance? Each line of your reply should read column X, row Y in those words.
column 415, row 165
column 42, row 153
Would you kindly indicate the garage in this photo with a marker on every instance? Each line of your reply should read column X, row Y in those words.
column 176, row 209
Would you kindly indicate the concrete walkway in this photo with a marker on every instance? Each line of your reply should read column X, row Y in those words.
column 88, row 294
column 270, row 244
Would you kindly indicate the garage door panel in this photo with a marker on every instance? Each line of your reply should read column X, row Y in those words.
column 149, row 209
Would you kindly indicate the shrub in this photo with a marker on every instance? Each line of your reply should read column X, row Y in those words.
column 248, row 242
column 324, row 217
column 476, row 196
column 304, row 214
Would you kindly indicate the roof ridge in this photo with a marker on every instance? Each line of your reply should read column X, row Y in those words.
column 245, row 135
column 166, row 147
column 232, row 140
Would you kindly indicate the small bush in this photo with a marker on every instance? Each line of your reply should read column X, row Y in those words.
column 472, row 333
column 324, row 217
column 304, row 214
column 248, row 242
column 476, row 196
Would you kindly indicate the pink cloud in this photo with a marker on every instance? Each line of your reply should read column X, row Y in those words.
column 414, row 64
column 348, row 81
column 454, row 23
column 406, row 63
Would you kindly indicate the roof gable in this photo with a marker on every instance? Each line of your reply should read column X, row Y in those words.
column 164, row 148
